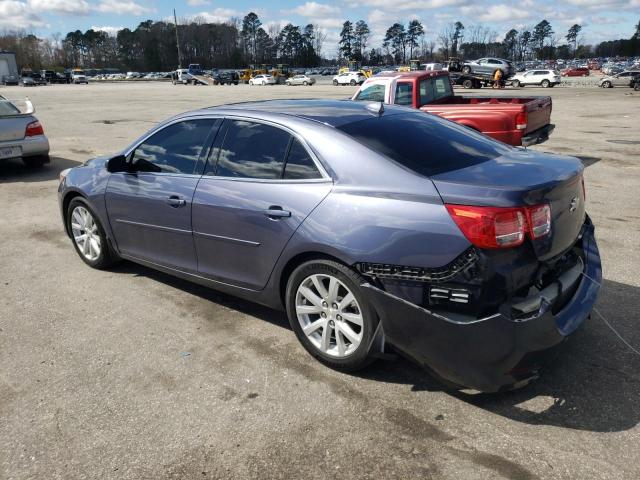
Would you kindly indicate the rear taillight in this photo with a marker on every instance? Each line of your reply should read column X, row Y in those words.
column 33, row 129
column 499, row 227
column 521, row 121
column 539, row 220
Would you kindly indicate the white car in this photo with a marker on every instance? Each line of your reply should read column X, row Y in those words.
column 349, row 78
column 262, row 79
column 544, row 78
column 78, row 76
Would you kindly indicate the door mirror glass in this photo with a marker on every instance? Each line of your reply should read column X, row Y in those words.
column 118, row 164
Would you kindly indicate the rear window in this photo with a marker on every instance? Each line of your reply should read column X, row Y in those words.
column 425, row 144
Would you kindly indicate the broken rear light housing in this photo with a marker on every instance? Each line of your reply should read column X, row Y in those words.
column 501, row 227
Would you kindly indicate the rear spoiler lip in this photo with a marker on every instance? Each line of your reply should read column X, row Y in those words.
column 31, row 109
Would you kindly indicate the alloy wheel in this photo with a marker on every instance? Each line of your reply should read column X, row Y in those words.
column 85, row 233
column 329, row 315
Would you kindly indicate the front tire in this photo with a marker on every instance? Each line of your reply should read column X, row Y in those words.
column 545, row 83
column 87, row 235
column 607, row 85
column 329, row 314
column 352, row 83
column 466, row 70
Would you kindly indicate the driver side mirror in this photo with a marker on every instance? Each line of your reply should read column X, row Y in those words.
column 118, row 164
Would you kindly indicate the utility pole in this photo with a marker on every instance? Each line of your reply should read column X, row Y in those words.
column 175, row 19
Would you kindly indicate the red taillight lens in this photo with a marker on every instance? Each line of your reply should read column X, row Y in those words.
column 521, row 121
column 498, row 227
column 539, row 219
column 33, row 129
column 489, row 227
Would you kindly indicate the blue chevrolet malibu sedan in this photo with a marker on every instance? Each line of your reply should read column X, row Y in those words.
column 374, row 227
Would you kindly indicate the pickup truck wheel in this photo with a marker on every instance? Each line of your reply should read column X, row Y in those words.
column 545, row 83
column 466, row 69
column 468, row 83
column 606, row 84
column 329, row 315
column 352, row 83
column 516, row 83
column 87, row 234
column 335, row 83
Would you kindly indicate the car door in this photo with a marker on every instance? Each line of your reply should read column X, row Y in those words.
column 261, row 182
column 149, row 207
column 622, row 79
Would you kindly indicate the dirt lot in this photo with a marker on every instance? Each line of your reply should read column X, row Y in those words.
column 130, row 373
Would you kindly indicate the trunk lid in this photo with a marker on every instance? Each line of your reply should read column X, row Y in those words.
column 13, row 128
column 522, row 178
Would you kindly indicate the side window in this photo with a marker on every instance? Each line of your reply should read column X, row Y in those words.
column 404, row 93
column 372, row 93
column 300, row 164
column 442, row 86
column 426, row 91
column 252, row 150
column 174, row 149
column 495, row 62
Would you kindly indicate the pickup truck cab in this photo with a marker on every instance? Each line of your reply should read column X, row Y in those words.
column 519, row 121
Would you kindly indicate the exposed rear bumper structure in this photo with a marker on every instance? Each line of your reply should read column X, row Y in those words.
column 538, row 136
column 502, row 350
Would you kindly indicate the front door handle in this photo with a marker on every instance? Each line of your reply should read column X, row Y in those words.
column 274, row 212
column 176, row 201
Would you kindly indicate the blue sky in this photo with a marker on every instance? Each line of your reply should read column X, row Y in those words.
column 601, row 19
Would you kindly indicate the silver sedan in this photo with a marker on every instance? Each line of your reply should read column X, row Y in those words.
column 300, row 80
column 21, row 134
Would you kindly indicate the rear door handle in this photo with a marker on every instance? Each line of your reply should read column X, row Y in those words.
column 275, row 212
column 176, row 201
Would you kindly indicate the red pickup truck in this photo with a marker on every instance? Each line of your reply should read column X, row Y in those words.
column 515, row 121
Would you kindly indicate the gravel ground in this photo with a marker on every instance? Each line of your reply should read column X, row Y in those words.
column 132, row 374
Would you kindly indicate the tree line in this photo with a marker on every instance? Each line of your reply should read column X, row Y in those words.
column 240, row 42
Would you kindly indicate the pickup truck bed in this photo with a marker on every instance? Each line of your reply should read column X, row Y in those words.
column 517, row 121
column 497, row 117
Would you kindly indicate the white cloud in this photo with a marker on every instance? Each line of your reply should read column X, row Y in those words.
column 219, row 15
column 122, row 7
column 110, row 30
column 198, row 3
column 408, row 4
column 500, row 13
column 313, row 9
column 15, row 14
column 72, row 7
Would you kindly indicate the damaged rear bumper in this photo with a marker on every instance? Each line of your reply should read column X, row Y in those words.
column 498, row 351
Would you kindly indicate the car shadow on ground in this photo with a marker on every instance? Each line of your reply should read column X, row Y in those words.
column 16, row 171
column 593, row 384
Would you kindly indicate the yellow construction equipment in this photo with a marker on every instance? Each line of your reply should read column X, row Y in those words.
column 354, row 66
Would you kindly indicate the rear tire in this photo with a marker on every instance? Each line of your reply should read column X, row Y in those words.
column 83, row 222
column 467, row 83
column 516, row 84
column 335, row 83
column 466, row 70
column 337, row 341
column 352, row 83
column 607, row 84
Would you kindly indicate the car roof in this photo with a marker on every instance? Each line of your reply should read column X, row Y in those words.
column 415, row 73
column 329, row 112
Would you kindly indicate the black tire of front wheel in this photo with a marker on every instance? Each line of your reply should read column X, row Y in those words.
column 106, row 257
column 363, row 355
